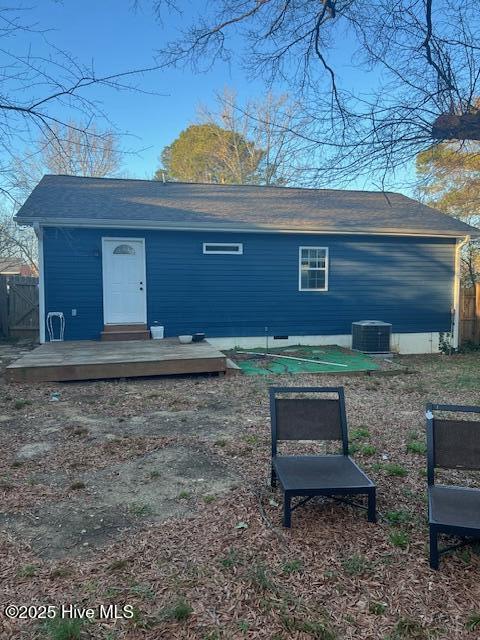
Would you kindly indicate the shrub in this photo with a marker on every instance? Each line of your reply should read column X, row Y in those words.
column 395, row 470
column 143, row 590
column 473, row 621
column 60, row 572
column 231, row 559
column 28, row 571
column 181, row 610
column 399, row 538
column 360, row 434
column 356, row 565
column 318, row 629
column 19, row 404
column 398, row 517
column 420, row 448
column 140, row 510
column 118, row 565
column 259, row 577
column 64, row 629
column 409, row 628
column 75, row 486
column 292, row 566
column 377, row 608
column 368, row 450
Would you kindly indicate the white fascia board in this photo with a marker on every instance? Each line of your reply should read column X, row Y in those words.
column 233, row 228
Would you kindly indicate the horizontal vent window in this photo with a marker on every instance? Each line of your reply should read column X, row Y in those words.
column 218, row 247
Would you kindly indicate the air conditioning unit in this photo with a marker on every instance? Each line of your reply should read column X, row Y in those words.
column 371, row 336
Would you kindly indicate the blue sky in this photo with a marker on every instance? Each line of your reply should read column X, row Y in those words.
column 117, row 38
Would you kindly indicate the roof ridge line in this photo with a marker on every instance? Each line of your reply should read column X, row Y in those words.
column 223, row 185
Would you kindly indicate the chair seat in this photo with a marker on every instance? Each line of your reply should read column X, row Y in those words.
column 310, row 473
column 455, row 506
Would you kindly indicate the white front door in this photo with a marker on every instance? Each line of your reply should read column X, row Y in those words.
column 124, row 290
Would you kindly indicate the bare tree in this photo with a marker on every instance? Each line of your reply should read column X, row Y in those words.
column 72, row 149
column 16, row 243
column 49, row 119
column 44, row 94
column 420, row 60
column 246, row 170
column 82, row 151
column 268, row 124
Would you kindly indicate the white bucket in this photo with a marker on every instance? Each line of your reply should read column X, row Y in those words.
column 157, row 332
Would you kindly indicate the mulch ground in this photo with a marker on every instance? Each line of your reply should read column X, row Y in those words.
column 231, row 571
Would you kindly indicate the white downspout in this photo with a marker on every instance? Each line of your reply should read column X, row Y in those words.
column 41, row 282
column 456, row 292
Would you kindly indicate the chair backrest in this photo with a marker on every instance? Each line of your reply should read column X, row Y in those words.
column 452, row 443
column 308, row 418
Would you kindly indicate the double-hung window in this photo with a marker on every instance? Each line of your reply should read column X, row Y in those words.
column 313, row 269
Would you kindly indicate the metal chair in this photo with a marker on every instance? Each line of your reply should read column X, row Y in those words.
column 452, row 444
column 329, row 475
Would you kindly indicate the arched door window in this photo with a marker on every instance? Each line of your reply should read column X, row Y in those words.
column 124, row 249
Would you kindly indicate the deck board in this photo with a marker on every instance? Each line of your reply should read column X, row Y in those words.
column 91, row 360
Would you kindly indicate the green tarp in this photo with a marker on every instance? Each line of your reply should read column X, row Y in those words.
column 264, row 366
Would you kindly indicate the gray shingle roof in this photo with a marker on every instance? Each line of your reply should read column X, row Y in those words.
column 70, row 200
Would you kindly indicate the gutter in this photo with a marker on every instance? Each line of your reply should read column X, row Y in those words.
column 41, row 282
column 456, row 291
column 175, row 226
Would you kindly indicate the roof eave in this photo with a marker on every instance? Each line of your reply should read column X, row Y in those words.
column 231, row 227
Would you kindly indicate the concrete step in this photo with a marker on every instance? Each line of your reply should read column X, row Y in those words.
column 116, row 328
column 117, row 336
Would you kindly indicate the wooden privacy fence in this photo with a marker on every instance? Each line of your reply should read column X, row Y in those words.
column 470, row 315
column 19, row 307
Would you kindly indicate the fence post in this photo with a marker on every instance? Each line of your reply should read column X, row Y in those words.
column 23, row 307
column 3, row 307
column 470, row 314
column 476, row 324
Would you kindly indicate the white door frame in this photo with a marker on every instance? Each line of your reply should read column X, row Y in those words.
column 129, row 239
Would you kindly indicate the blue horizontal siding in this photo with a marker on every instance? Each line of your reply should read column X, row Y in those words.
column 405, row 281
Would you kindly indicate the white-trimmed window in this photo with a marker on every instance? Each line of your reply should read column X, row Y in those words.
column 313, row 269
column 235, row 248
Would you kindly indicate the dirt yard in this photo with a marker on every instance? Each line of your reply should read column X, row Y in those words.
column 153, row 493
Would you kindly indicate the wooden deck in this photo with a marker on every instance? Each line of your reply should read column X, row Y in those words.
column 89, row 360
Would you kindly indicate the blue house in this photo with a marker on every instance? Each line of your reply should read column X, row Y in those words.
column 237, row 262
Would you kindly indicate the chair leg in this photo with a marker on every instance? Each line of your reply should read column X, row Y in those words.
column 287, row 511
column 273, row 479
column 434, row 555
column 372, row 506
